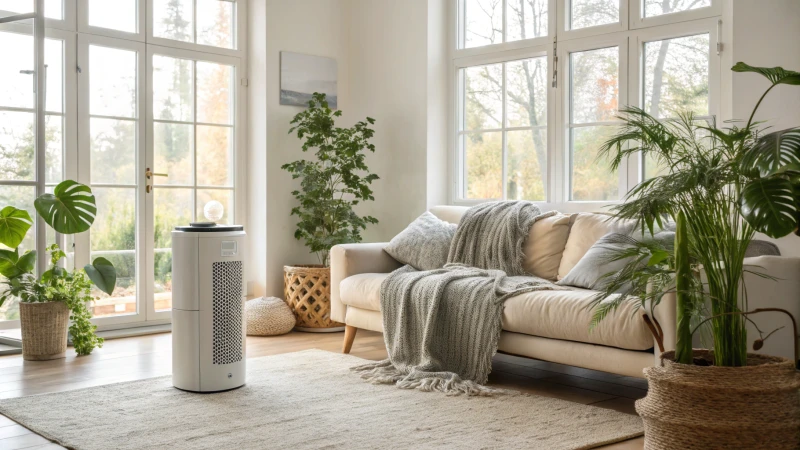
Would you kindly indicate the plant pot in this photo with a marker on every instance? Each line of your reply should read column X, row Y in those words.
column 307, row 291
column 44, row 330
column 703, row 407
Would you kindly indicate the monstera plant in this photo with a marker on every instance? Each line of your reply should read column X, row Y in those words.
column 70, row 209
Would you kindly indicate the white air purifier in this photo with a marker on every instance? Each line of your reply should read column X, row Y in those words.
column 208, row 321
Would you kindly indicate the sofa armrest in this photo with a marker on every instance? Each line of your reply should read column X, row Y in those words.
column 352, row 259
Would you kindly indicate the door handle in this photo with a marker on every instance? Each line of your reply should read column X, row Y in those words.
column 150, row 174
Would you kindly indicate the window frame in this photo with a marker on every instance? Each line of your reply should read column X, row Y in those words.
column 631, row 40
column 239, row 35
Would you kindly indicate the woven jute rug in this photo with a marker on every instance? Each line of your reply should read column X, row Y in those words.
column 310, row 400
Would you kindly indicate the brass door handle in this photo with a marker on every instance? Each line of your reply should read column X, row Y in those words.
column 150, row 174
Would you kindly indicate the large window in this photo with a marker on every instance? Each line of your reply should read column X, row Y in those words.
column 540, row 83
column 150, row 117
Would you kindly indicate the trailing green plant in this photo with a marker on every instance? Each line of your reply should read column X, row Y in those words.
column 333, row 182
column 722, row 184
column 70, row 209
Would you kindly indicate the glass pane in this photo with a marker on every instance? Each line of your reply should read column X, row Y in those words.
column 172, row 19
column 21, row 197
column 54, row 156
column 173, row 207
column 658, row 7
column 54, row 61
column 653, row 168
column 483, row 97
column 113, row 151
column 113, row 82
column 223, row 196
column 484, row 22
column 173, row 153
column 591, row 13
column 53, row 9
column 16, row 87
column 483, row 156
column 594, row 85
column 214, row 93
column 113, row 236
column 214, row 156
column 527, row 165
column 173, row 98
column 526, row 19
column 215, row 24
column 115, row 15
column 676, row 76
column 17, row 146
column 592, row 179
column 526, row 101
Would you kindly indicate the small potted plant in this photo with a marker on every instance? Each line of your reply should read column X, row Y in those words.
column 54, row 302
column 331, row 185
column 721, row 185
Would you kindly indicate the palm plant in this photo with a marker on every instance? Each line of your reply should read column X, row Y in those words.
column 723, row 185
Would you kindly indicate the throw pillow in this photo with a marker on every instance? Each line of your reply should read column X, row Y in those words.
column 590, row 271
column 545, row 244
column 587, row 229
column 424, row 245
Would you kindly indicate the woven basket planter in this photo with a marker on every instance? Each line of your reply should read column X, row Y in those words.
column 704, row 407
column 307, row 291
column 44, row 330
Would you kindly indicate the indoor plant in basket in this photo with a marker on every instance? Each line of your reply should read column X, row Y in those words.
column 331, row 185
column 721, row 185
column 49, row 303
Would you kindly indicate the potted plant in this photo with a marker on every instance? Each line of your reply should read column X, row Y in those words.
column 49, row 303
column 331, row 185
column 721, row 185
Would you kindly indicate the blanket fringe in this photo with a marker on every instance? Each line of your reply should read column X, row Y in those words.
column 384, row 372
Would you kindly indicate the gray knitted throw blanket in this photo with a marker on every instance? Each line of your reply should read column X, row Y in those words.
column 442, row 326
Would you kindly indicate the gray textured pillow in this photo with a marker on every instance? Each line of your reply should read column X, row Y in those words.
column 424, row 244
column 590, row 270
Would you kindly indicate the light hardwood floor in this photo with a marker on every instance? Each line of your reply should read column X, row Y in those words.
column 150, row 356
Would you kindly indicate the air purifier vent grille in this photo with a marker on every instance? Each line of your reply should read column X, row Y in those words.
column 227, row 305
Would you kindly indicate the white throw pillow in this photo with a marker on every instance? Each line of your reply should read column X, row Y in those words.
column 425, row 244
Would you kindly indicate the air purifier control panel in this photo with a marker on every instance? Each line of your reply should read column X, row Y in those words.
column 229, row 248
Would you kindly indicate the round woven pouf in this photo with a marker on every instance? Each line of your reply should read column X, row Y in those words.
column 268, row 317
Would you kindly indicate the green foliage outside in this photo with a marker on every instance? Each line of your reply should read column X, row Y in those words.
column 332, row 183
column 725, row 184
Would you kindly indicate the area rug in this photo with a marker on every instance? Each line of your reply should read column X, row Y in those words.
column 310, row 400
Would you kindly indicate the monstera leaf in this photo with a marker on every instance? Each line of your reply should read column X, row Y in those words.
column 770, row 205
column 776, row 75
column 103, row 274
column 12, row 265
column 70, row 209
column 14, row 225
column 774, row 153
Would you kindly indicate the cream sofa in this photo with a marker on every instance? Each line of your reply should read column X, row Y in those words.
column 549, row 325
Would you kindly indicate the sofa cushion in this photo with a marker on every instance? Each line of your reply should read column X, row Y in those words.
column 362, row 290
column 545, row 244
column 588, row 228
column 550, row 314
column 424, row 244
column 567, row 315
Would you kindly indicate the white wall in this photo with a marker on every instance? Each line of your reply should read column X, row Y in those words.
column 766, row 33
column 316, row 27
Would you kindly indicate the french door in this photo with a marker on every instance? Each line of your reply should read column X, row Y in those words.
column 157, row 143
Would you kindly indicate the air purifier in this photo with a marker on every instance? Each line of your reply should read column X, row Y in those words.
column 208, row 321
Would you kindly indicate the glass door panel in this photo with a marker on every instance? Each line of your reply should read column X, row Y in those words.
column 193, row 154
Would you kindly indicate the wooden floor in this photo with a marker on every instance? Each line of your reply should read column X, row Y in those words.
column 150, row 356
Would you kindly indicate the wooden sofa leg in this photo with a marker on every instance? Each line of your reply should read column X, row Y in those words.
column 349, row 337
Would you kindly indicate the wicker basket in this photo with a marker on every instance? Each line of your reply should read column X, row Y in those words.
column 44, row 330
column 704, row 407
column 307, row 290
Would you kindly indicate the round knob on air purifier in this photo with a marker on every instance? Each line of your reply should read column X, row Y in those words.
column 213, row 211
